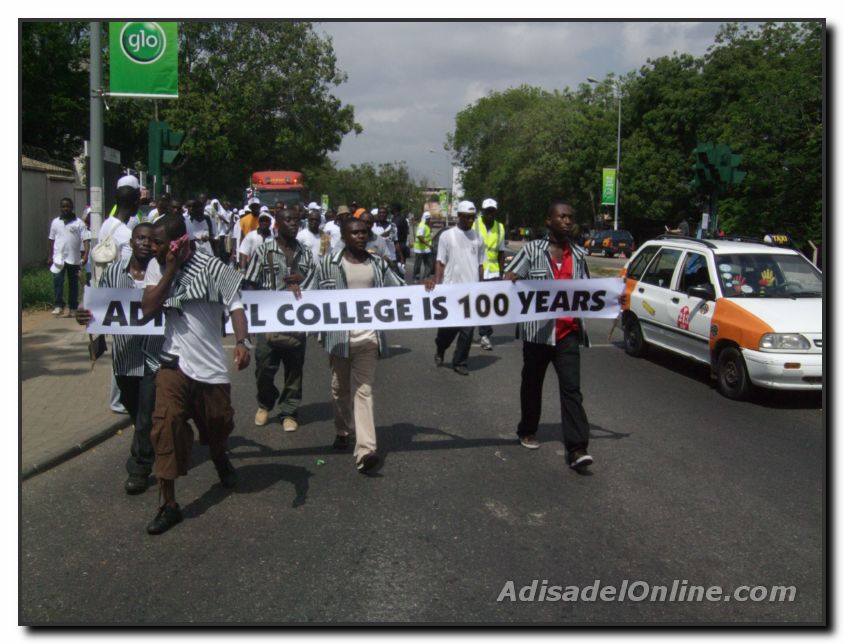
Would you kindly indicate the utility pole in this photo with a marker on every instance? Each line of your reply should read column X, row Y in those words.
column 95, row 178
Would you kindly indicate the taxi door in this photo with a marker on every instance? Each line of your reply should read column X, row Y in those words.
column 692, row 316
column 650, row 297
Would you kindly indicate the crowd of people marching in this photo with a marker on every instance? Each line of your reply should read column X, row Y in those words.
column 193, row 258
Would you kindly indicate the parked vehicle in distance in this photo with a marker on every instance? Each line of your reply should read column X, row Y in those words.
column 751, row 311
column 610, row 243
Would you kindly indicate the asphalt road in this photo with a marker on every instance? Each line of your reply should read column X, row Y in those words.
column 686, row 485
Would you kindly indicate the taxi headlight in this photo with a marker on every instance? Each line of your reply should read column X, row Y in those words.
column 784, row 342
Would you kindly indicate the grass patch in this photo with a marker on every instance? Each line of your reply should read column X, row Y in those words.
column 37, row 289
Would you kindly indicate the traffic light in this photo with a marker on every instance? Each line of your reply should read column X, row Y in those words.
column 715, row 169
column 163, row 150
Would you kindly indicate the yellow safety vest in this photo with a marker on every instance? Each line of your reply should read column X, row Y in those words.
column 424, row 230
column 492, row 240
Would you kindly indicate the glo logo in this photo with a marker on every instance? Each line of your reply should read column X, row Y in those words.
column 143, row 42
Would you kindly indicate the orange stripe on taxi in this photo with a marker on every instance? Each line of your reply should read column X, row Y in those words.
column 735, row 323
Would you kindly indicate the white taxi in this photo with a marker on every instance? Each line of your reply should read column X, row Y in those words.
column 750, row 310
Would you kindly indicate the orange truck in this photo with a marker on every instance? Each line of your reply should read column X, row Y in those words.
column 273, row 187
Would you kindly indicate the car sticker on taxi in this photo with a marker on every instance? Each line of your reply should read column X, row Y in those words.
column 648, row 307
column 683, row 319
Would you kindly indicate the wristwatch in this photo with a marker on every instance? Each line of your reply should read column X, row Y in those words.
column 246, row 343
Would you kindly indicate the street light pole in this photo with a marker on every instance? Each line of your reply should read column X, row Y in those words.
column 618, row 151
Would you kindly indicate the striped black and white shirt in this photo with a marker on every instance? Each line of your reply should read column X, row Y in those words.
column 330, row 276
column 130, row 352
column 203, row 278
column 268, row 267
column 533, row 262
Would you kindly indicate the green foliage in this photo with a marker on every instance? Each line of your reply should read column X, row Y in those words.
column 54, row 86
column 758, row 91
column 37, row 289
column 368, row 185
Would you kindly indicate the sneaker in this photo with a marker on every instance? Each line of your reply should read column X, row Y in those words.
column 438, row 359
column 262, row 416
column 341, row 442
column 226, row 471
column 462, row 370
column 529, row 441
column 136, row 484
column 57, row 311
column 579, row 459
column 289, row 424
column 486, row 343
column 368, row 463
column 167, row 517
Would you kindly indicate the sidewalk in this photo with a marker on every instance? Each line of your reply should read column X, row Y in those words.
column 65, row 405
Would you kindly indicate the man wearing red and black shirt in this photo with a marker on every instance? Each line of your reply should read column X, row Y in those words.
column 554, row 342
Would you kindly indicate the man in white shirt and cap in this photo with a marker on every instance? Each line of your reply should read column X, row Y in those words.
column 460, row 259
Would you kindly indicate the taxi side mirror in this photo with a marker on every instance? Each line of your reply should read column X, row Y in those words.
column 704, row 291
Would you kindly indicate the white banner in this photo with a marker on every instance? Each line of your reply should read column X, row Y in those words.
column 118, row 311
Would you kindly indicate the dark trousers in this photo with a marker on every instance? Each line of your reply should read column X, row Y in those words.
column 446, row 335
column 72, row 272
column 137, row 394
column 423, row 265
column 484, row 331
column 565, row 356
column 268, row 360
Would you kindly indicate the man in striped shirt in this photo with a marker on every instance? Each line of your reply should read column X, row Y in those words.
column 554, row 342
column 195, row 291
column 353, row 354
column 276, row 265
column 134, row 359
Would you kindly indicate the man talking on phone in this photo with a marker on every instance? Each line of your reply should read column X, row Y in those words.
column 195, row 291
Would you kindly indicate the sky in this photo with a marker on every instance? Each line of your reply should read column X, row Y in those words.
column 408, row 80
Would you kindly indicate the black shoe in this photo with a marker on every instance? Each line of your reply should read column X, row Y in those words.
column 228, row 475
column 579, row 459
column 462, row 370
column 438, row 359
column 136, row 484
column 341, row 442
column 167, row 517
column 369, row 462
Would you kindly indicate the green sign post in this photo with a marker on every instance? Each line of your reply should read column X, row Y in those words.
column 144, row 59
column 608, row 187
column 444, row 203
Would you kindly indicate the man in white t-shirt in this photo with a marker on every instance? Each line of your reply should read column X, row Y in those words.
column 332, row 226
column 117, row 226
column 460, row 259
column 263, row 233
column 70, row 242
column 195, row 291
column 311, row 236
column 201, row 228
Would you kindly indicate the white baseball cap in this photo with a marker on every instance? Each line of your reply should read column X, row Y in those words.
column 374, row 212
column 313, row 206
column 129, row 180
column 466, row 207
column 489, row 203
column 426, row 215
column 264, row 209
column 253, row 200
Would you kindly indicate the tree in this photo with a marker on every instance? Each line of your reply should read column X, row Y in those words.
column 54, row 86
column 369, row 185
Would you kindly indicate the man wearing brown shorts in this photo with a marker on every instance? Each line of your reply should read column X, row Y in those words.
column 195, row 291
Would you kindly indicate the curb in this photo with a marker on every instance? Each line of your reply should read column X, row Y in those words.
column 67, row 454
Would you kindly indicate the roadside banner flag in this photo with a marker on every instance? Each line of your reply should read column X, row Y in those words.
column 608, row 187
column 144, row 59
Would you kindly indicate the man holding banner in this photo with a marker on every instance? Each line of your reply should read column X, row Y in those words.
column 276, row 265
column 353, row 354
column 195, row 291
column 554, row 342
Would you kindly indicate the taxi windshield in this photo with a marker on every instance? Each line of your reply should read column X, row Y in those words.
column 768, row 275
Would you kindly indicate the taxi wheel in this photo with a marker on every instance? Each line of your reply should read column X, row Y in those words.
column 733, row 381
column 634, row 341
